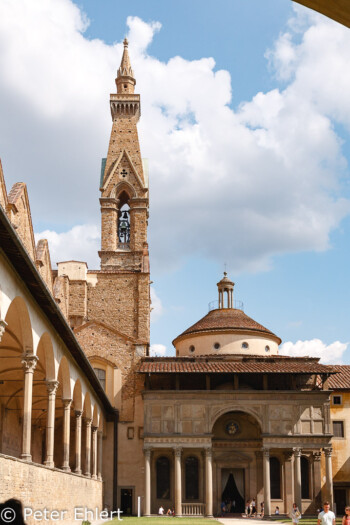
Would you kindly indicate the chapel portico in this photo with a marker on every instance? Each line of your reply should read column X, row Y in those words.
column 235, row 435
column 229, row 419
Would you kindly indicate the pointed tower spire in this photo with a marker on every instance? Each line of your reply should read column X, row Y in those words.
column 125, row 80
column 124, row 182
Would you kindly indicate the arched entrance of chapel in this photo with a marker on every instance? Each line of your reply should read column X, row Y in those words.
column 237, row 443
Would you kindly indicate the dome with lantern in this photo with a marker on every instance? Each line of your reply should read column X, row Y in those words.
column 226, row 329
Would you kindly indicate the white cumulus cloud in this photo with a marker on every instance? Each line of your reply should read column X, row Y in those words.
column 81, row 243
column 240, row 186
column 157, row 350
column 329, row 354
column 157, row 306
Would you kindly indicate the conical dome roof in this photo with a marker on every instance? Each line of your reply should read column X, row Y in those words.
column 228, row 320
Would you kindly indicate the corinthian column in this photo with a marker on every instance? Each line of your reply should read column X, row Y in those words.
column 29, row 363
column 178, row 488
column 99, row 454
column 88, row 422
column 66, row 433
column 297, row 477
column 147, row 511
column 50, row 424
column 78, row 414
column 266, row 475
column 288, row 481
column 94, row 453
column 329, row 478
column 209, row 482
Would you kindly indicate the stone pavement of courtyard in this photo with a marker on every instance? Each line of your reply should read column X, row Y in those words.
column 245, row 521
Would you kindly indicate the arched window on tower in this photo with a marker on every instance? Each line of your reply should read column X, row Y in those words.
column 124, row 221
column 191, row 478
column 163, row 477
column 305, row 485
column 275, row 477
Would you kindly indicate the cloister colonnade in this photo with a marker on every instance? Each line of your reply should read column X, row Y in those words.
column 257, row 478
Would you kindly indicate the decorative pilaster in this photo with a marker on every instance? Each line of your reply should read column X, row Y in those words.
column 99, row 454
column 147, row 453
column 297, row 477
column 327, row 418
column 178, row 487
column 259, row 478
column 88, row 422
column 78, row 414
column 29, row 363
column 94, row 452
column 209, row 482
column 50, row 424
column 267, row 485
column 329, row 478
column 288, row 480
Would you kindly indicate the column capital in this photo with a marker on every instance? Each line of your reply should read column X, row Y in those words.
column 67, row 402
column 178, row 452
column 147, row 451
column 78, row 413
column 94, row 428
column 297, row 452
column 317, row 455
column 3, row 325
column 52, row 386
column 288, row 455
column 208, row 452
column 29, row 362
column 265, row 452
column 258, row 454
column 88, row 421
column 328, row 451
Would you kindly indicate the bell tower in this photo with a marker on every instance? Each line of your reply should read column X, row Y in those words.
column 124, row 181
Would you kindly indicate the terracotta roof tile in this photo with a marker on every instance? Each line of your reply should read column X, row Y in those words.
column 341, row 380
column 227, row 319
column 250, row 365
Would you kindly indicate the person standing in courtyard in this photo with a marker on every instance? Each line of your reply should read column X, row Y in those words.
column 326, row 517
column 346, row 518
column 296, row 514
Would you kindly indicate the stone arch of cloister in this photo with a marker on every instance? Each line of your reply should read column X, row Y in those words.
column 48, row 412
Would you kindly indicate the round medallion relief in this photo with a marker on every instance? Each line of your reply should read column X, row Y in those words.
column 232, row 428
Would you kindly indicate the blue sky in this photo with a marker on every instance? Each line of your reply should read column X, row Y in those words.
column 246, row 132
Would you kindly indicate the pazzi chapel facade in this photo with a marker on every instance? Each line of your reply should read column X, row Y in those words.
column 87, row 417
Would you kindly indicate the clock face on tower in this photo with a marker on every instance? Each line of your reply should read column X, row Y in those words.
column 232, row 428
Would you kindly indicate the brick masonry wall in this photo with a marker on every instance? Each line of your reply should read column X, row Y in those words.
column 124, row 136
column 112, row 301
column 40, row 487
column 99, row 340
column 77, row 298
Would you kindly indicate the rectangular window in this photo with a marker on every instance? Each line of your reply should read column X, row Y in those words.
column 101, row 374
column 338, row 429
column 337, row 400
